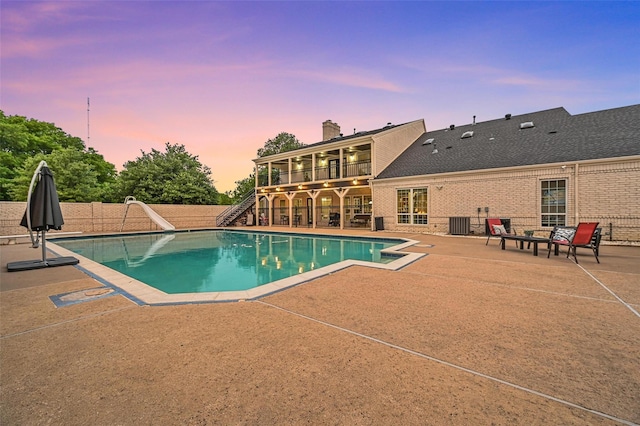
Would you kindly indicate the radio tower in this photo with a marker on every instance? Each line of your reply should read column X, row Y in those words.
column 88, row 134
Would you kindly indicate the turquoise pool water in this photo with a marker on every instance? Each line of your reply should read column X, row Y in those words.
column 218, row 261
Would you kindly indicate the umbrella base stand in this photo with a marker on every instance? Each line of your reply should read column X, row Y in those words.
column 26, row 265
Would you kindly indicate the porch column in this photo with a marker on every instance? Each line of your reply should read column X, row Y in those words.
column 340, row 165
column 313, row 167
column 313, row 194
column 290, row 196
column 341, row 192
column 270, row 198
column 289, row 181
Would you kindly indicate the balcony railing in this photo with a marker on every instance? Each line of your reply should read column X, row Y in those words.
column 360, row 168
column 349, row 170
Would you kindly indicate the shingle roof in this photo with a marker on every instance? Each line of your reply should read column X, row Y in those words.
column 557, row 136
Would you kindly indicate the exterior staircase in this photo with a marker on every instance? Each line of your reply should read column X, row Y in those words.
column 234, row 212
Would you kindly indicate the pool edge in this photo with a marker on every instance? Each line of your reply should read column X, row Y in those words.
column 143, row 294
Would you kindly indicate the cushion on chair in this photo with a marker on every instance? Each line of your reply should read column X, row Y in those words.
column 563, row 235
column 499, row 230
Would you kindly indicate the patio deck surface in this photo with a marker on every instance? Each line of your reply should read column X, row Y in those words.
column 469, row 334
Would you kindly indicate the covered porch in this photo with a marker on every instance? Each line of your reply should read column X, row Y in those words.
column 326, row 207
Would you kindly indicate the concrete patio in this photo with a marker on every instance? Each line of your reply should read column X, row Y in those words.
column 469, row 334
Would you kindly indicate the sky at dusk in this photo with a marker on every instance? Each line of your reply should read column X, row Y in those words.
column 222, row 78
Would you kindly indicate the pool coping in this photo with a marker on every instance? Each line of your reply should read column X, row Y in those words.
column 143, row 294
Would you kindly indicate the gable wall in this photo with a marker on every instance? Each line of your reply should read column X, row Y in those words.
column 389, row 145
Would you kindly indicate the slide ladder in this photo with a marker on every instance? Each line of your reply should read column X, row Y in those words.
column 159, row 220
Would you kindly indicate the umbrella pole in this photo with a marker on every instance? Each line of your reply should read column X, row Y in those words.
column 44, row 249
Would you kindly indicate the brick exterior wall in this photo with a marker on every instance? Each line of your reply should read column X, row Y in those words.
column 388, row 146
column 105, row 218
column 607, row 192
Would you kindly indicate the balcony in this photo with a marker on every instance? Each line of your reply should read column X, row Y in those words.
column 330, row 165
column 349, row 170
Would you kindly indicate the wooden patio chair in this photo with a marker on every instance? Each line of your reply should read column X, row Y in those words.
column 496, row 228
column 587, row 235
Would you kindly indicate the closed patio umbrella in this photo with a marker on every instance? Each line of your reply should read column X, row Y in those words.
column 43, row 211
column 42, row 214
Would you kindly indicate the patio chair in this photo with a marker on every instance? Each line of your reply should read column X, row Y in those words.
column 586, row 235
column 334, row 219
column 496, row 229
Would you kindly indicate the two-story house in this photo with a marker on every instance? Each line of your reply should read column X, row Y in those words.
column 327, row 184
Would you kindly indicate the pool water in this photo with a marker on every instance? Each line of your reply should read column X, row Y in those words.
column 219, row 261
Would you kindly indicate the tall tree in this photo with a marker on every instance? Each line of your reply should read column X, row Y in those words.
column 76, row 179
column 243, row 186
column 170, row 177
column 25, row 142
column 283, row 142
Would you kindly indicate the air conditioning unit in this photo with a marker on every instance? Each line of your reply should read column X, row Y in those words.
column 459, row 225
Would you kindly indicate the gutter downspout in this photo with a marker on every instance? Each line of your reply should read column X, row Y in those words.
column 576, row 194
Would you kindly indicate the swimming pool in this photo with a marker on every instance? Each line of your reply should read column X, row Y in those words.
column 229, row 262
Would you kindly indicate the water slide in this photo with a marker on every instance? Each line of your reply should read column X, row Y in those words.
column 159, row 220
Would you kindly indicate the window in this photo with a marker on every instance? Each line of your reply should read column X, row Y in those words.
column 325, row 203
column 412, row 206
column 403, row 206
column 366, row 207
column 553, row 202
column 420, row 206
column 357, row 205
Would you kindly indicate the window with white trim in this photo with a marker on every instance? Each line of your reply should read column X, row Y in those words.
column 553, row 202
column 412, row 206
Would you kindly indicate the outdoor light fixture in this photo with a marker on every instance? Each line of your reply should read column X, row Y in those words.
column 355, row 181
column 299, row 186
column 326, row 184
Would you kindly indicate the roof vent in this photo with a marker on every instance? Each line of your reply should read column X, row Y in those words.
column 507, row 117
column 453, row 126
column 526, row 125
column 466, row 135
column 428, row 141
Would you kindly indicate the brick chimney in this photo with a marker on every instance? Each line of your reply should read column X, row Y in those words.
column 330, row 130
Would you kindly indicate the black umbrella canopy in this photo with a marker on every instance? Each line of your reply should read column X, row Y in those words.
column 44, row 207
